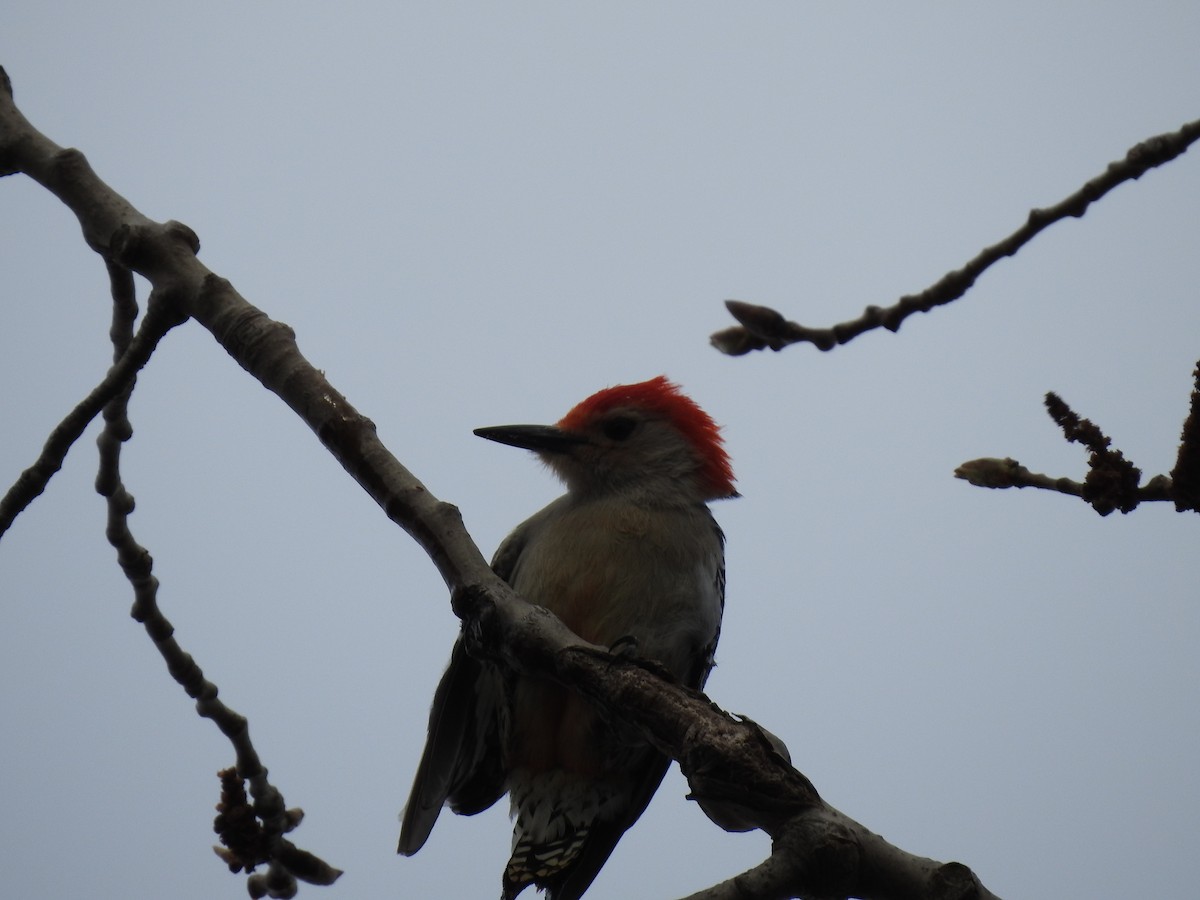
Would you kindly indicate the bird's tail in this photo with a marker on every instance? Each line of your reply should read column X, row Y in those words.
column 554, row 812
column 541, row 862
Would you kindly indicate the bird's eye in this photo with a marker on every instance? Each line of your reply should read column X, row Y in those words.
column 619, row 427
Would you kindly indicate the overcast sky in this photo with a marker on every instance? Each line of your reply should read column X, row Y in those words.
column 477, row 214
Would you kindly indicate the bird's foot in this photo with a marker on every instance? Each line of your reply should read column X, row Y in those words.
column 625, row 647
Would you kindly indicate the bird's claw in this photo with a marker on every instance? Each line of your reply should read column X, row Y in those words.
column 625, row 647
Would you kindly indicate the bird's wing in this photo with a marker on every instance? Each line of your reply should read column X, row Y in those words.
column 461, row 762
column 707, row 659
column 463, row 759
column 504, row 562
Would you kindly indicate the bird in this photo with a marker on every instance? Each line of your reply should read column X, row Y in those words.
column 629, row 556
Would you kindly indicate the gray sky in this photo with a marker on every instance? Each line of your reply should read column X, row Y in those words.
column 476, row 214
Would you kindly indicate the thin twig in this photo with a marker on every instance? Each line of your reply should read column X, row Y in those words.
column 137, row 564
column 133, row 358
column 1112, row 481
column 762, row 327
column 990, row 472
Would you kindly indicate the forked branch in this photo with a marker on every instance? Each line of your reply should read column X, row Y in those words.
column 1112, row 481
column 737, row 775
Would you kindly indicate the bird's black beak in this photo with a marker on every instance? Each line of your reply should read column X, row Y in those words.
column 540, row 438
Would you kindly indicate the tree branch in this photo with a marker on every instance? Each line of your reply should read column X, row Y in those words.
column 270, row 818
column 829, row 855
column 737, row 773
column 761, row 327
column 137, row 352
column 1186, row 474
column 1112, row 481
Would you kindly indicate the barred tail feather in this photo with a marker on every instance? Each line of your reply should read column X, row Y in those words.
column 567, row 826
column 555, row 813
column 541, row 862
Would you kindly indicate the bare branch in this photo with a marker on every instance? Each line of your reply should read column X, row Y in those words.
column 736, row 772
column 269, row 810
column 1186, row 474
column 762, row 327
column 165, row 254
column 1112, row 481
column 990, row 472
column 826, row 854
column 132, row 358
column 724, row 757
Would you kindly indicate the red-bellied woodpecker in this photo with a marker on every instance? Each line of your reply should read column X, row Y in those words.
column 629, row 552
